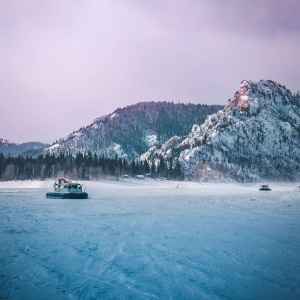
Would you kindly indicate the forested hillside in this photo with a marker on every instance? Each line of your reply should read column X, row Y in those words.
column 130, row 131
column 14, row 149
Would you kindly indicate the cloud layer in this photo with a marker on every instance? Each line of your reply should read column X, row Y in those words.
column 65, row 63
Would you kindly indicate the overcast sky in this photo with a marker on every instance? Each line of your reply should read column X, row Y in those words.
column 64, row 63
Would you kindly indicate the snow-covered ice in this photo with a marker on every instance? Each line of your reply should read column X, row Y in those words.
column 148, row 239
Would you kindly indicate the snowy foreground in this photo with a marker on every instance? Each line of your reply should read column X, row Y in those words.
column 150, row 240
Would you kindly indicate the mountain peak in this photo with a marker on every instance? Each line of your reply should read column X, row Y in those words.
column 241, row 97
column 252, row 96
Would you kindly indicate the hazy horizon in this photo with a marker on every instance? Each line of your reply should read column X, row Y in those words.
column 67, row 63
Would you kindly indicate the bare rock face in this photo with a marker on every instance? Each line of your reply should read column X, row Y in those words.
column 256, row 136
column 241, row 98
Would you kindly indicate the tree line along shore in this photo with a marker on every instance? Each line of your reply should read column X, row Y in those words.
column 84, row 166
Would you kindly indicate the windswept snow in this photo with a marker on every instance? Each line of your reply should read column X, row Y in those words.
column 150, row 240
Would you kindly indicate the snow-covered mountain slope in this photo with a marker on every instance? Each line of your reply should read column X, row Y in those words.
column 130, row 131
column 14, row 149
column 256, row 136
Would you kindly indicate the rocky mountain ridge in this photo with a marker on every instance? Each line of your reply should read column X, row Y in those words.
column 255, row 136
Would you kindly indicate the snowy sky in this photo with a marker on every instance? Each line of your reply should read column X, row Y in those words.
column 66, row 62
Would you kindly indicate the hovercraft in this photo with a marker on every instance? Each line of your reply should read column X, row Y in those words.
column 64, row 189
column 264, row 187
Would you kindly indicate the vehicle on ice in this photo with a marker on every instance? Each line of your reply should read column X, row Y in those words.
column 64, row 189
column 264, row 187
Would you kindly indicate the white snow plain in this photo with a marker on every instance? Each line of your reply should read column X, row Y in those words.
column 148, row 239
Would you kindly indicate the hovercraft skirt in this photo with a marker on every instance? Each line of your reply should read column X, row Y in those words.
column 58, row 195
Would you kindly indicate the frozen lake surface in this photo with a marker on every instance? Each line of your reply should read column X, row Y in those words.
column 150, row 240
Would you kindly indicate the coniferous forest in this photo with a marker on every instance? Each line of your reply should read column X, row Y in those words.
column 134, row 129
column 83, row 167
